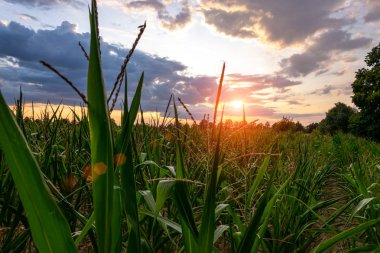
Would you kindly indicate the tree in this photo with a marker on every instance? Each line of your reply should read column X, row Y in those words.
column 311, row 127
column 337, row 119
column 299, row 127
column 286, row 124
column 366, row 89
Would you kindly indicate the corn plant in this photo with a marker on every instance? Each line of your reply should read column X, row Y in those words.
column 165, row 186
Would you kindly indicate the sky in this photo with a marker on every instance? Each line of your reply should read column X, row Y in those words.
column 284, row 58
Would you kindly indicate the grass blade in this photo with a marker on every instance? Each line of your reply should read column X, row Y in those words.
column 257, row 180
column 248, row 238
column 266, row 216
column 85, row 229
column 325, row 245
column 181, row 198
column 218, row 95
column 49, row 227
column 208, row 217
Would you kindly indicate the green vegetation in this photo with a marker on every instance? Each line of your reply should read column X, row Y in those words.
column 366, row 97
column 89, row 185
column 337, row 119
column 366, row 89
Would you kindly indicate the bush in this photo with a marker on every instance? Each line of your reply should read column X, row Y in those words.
column 337, row 119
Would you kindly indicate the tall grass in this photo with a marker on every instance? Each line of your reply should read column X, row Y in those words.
column 170, row 187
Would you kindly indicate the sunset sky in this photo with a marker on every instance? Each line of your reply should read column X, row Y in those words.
column 293, row 58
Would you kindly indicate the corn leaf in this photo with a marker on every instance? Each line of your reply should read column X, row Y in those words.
column 50, row 230
column 325, row 245
column 101, row 143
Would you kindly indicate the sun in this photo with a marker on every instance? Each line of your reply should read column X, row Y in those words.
column 237, row 104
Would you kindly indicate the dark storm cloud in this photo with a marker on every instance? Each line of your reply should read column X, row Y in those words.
column 168, row 20
column 21, row 48
column 49, row 3
column 284, row 22
column 320, row 53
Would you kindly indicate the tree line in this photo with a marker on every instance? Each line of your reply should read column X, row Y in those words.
column 364, row 120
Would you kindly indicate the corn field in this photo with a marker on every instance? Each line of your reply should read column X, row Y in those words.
column 89, row 185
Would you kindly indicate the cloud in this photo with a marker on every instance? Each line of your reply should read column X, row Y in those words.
column 230, row 23
column 49, row 3
column 28, row 17
column 317, row 56
column 339, row 73
column 251, row 111
column 169, row 19
column 247, row 88
column 373, row 13
column 283, row 22
column 299, row 115
column 329, row 89
column 21, row 48
column 324, row 91
column 259, row 82
column 294, row 102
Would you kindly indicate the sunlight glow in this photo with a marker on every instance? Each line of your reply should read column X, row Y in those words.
column 237, row 104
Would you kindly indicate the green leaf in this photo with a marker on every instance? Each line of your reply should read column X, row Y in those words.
column 50, row 230
column 116, row 218
column 164, row 189
column 85, row 229
column 164, row 220
column 130, row 202
column 219, row 209
column 181, row 198
column 325, row 245
column 363, row 203
column 148, row 197
column 266, row 215
column 101, row 143
column 206, row 233
column 127, row 171
column 249, row 235
column 257, row 180
column 219, row 232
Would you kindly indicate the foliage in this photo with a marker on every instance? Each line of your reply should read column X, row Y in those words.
column 366, row 89
column 164, row 187
column 285, row 124
column 337, row 119
column 311, row 127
